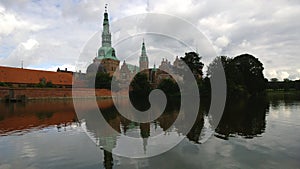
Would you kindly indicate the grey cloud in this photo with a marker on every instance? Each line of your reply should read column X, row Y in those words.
column 270, row 32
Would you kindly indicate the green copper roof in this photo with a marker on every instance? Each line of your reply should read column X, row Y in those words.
column 143, row 50
column 133, row 68
column 143, row 57
column 106, row 51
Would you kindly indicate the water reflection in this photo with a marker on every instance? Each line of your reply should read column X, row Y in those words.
column 23, row 117
column 113, row 137
column 244, row 119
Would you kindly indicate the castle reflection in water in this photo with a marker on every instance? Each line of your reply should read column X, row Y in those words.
column 245, row 118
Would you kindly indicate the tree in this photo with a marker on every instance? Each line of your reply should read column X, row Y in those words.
column 251, row 71
column 288, row 84
column 225, row 63
column 140, row 84
column 169, row 87
column 243, row 74
column 3, row 84
column 192, row 60
column 44, row 83
column 297, row 84
column 274, row 80
column 103, row 81
column 49, row 84
column 233, row 76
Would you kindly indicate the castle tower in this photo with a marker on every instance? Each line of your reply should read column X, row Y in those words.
column 144, row 63
column 106, row 55
column 176, row 63
column 106, row 35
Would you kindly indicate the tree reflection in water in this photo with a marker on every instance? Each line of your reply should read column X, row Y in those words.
column 245, row 117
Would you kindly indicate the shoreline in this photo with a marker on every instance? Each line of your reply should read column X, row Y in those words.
column 24, row 94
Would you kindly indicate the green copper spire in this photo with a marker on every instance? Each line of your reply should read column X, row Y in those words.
column 106, row 51
column 106, row 35
column 143, row 50
column 144, row 58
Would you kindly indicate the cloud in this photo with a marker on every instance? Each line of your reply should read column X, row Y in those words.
column 54, row 68
column 47, row 33
column 11, row 23
column 283, row 74
column 29, row 44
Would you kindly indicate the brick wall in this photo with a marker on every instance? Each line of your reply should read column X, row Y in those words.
column 3, row 92
column 35, row 93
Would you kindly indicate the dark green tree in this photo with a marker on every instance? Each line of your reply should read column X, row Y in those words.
column 169, row 87
column 49, row 84
column 192, row 60
column 3, row 84
column 103, row 81
column 274, row 80
column 244, row 74
column 140, row 84
column 251, row 73
column 213, row 65
column 42, row 82
column 288, row 84
column 297, row 84
column 233, row 76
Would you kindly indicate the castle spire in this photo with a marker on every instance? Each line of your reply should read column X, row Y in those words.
column 143, row 49
column 106, row 35
column 144, row 63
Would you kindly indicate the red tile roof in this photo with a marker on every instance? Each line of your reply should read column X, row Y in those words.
column 29, row 76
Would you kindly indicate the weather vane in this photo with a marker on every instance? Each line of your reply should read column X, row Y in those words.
column 105, row 7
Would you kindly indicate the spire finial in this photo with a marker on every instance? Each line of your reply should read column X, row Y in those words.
column 105, row 8
column 143, row 49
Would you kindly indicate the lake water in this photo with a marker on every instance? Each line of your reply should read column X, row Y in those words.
column 253, row 133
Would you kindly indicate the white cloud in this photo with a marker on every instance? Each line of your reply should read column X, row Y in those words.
column 30, row 43
column 54, row 68
column 282, row 74
column 10, row 23
column 56, row 31
column 221, row 43
column 217, row 23
column 172, row 6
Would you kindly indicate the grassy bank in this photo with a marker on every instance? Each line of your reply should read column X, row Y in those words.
column 282, row 94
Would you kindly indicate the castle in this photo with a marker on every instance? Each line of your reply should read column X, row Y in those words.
column 107, row 61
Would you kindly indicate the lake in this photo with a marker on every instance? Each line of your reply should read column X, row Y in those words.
column 253, row 133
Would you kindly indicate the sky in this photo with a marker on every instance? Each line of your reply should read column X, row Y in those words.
column 46, row 35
